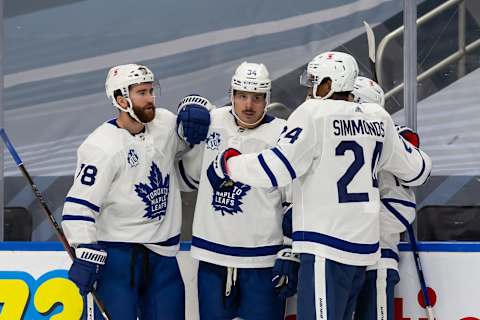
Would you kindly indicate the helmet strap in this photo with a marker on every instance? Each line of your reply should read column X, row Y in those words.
column 253, row 125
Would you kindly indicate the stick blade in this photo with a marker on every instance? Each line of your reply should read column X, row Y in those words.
column 371, row 41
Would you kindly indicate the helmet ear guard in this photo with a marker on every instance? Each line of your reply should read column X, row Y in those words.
column 341, row 68
column 121, row 78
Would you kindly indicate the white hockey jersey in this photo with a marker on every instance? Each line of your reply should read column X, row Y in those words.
column 241, row 228
column 332, row 150
column 125, row 188
column 397, row 210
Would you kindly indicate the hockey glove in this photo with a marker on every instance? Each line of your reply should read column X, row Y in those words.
column 217, row 171
column 409, row 135
column 193, row 118
column 285, row 273
column 87, row 266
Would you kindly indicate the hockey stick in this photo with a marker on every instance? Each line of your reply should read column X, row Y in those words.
column 38, row 195
column 371, row 49
column 421, row 278
column 418, row 265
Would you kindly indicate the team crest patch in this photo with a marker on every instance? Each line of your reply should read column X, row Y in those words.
column 155, row 194
column 230, row 201
column 132, row 158
column 213, row 141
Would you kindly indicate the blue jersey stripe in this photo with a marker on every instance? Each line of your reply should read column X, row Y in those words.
column 267, row 170
column 70, row 217
column 83, row 203
column 387, row 203
column 389, row 253
column 184, row 175
column 285, row 161
column 235, row 251
column 173, row 241
column 335, row 242
column 421, row 171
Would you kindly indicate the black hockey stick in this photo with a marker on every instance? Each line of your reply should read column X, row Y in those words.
column 418, row 265
column 38, row 195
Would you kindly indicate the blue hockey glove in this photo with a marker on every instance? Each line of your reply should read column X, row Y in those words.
column 193, row 119
column 285, row 273
column 87, row 266
column 409, row 135
column 217, row 171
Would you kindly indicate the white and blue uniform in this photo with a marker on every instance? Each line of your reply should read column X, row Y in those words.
column 125, row 195
column 237, row 233
column 396, row 212
column 332, row 151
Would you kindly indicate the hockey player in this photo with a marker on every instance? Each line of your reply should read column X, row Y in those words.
column 397, row 208
column 332, row 149
column 122, row 214
column 237, row 230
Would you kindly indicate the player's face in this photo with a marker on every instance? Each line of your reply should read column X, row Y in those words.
column 249, row 106
column 143, row 100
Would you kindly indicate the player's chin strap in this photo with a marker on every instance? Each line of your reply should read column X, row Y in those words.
column 231, row 280
column 246, row 123
column 130, row 111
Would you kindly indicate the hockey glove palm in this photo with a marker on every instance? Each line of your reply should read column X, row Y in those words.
column 217, row 171
column 87, row 266
column 285, row 273
column 409, row 135
column 193, row 119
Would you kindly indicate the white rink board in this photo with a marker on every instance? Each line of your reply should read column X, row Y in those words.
column 451, row 270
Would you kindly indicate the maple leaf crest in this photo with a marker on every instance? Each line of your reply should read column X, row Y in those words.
column 230, row 201
column 155, row 194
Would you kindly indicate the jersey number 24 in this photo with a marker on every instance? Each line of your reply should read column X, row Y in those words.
column 354, row 168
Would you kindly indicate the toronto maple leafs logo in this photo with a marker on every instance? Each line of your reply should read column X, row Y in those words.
column 132, row 158
column 213, row 141
column 155, row 194
column 231, row 200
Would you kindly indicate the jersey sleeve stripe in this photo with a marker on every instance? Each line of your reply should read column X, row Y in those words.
column 389, row 253
column 235, row 251
column 83, row 203
column 387, row 203
column 70, row 217
column 267, row 170
column 421, row 171
column 184, row 176
column 285, row 161
column 336, row 243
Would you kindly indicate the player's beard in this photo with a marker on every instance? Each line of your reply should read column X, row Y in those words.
column 146, row 113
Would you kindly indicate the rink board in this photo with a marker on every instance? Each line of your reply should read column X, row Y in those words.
column 33, row 278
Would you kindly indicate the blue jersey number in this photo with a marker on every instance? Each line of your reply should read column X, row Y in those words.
column 357, row 164
column 88, row 173
column 292, row 134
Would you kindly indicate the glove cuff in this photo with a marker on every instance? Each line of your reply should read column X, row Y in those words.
column 227, row 154
column 195, row 99
column 91, row 255
column 409, row 135
column 288, row 254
